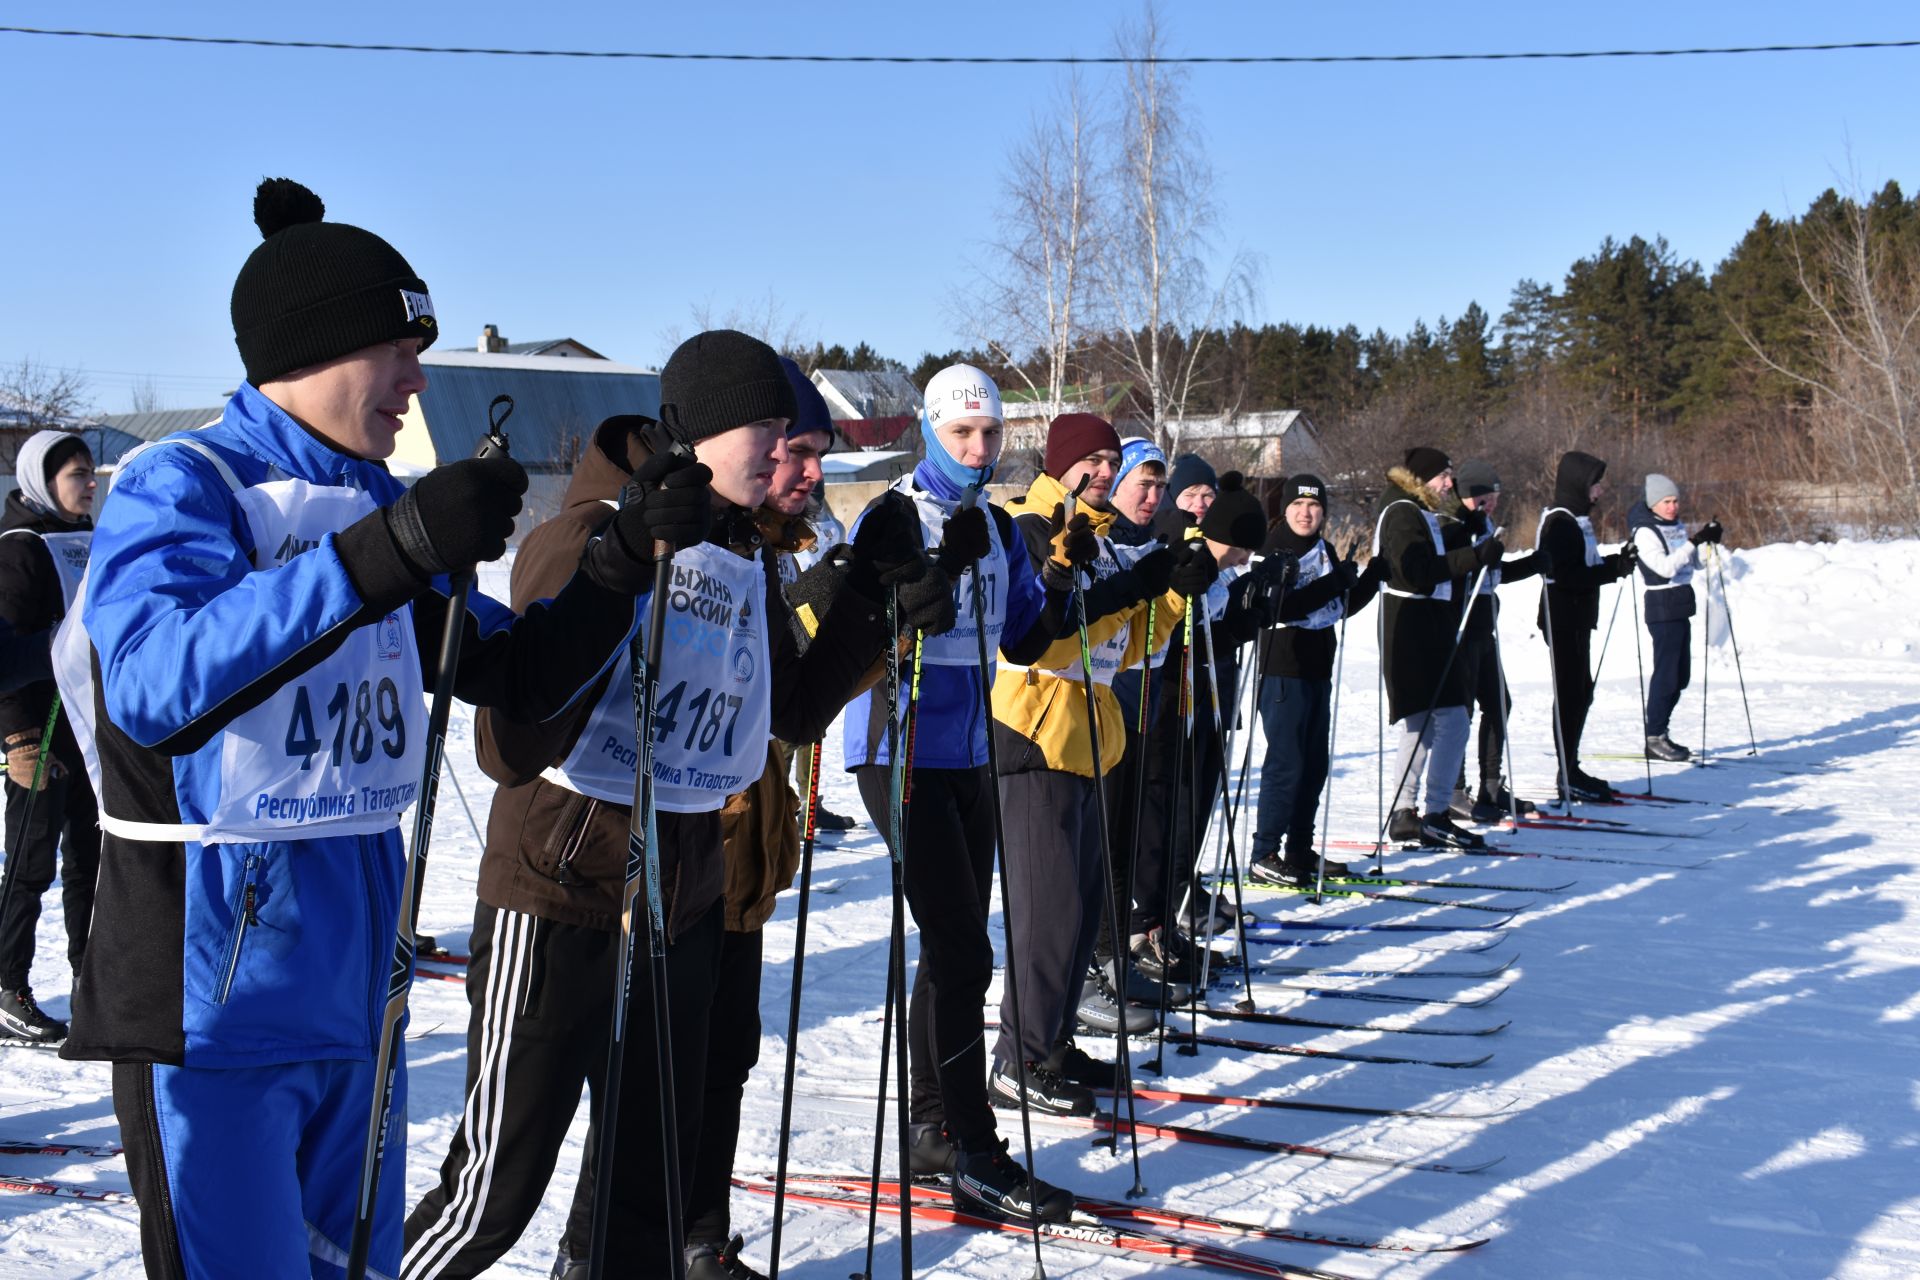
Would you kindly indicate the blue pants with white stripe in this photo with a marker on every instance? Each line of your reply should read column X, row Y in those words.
column 255, row 1171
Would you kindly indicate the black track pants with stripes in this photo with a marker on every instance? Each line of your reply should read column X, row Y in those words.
column 539, row 995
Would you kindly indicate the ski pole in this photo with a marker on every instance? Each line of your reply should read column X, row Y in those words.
column 808, row 821
column 1506, row 723
column 1706, row 655
column 1606, row 639
column 386, row 1063
column 1182, row 793
column 642, row 870
column 1123, row 895
column 1006, row 898
column 1640, row 666
column 1380, row 733
column 1553, row 672
column 1753, row 747
column 901, row 722
column 1226, row 847
column 27, row 806
column 1333, row 736
column 1426, row 720
column 880, row 1120
column 1122, row 1064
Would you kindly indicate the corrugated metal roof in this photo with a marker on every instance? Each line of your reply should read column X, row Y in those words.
column 162, row 422
column 867, row 395
column 558, row 401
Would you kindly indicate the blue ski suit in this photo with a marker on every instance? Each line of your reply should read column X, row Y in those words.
column 237, row 983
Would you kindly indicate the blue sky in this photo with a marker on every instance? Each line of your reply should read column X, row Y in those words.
column 604, row 200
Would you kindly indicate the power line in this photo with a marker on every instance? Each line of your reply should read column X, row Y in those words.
column 969, row 59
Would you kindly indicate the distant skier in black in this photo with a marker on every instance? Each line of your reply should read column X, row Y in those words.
column 1570, row 606
column 44, row 537
column 1296, row 687
column 1668, row 556
column 1477, row 485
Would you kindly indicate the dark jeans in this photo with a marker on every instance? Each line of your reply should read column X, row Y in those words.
column 1295, row 716
column 1672, row 671
column 1489, row 695
column 733, row 1047
column 65, row 806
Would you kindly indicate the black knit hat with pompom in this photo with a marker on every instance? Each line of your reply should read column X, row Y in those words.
column 1236, row 516
column 314, row 290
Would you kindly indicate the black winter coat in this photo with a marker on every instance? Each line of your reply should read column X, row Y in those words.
column 1418, row 645
column 1572, row 590
column 31, row 600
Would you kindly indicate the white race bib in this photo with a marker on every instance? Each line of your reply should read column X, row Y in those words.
column 69, row 552
column 1444, row 591
column 1314, row 565
column 713, row 712
column 1586, row 532
column 339, row 749
column 959, row 646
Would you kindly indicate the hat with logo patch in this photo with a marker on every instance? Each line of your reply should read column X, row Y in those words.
column 961, row 391
column 312, row 291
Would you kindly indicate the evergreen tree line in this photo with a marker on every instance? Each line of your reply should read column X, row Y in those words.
column 1782, row 388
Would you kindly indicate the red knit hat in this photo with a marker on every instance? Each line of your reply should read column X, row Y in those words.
column 1073, row 436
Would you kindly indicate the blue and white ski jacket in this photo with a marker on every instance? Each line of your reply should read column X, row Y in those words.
column 210, row 949
column 952, row 725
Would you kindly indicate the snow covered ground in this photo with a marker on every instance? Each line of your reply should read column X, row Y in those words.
column 1711, row 1070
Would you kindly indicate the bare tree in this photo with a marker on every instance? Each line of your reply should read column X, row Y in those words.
column 764, row 318
column 1160, row 303
column 34, row 397
column 37, row 396
column 1865, row 376
column 145, row 395
column 1034, row 296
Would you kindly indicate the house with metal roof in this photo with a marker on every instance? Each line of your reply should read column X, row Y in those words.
column 871, row 409
column 493, row 342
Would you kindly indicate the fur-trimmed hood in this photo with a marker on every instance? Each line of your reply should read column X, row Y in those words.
column 1409, row 485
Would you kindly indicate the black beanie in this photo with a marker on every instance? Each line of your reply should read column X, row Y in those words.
column 312, row 291
column 62, row 451
column 1476, row 479
column 1189, row 469
column 722, row 379
column 1236, row 517
column 1304, row 485
column 1426, row 463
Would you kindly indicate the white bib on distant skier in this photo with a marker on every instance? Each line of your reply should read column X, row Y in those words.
column 713, row 706
column 1314, row 565
column 1107, row 655
column 69, row 552
column 1491, row 578
column 1444, row 591
column 959, row 645
column 1674, row 538
column 1586, row 532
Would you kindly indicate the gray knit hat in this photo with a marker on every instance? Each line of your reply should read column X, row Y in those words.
column 1659, row 489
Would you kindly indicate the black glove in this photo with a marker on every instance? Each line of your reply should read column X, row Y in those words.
column 669, row 499
column 1543, row 560
column 1708, row 532
column 886, row 548
column 459, row 515
column 1625, row 558
column 1074, row 543
column 1276, row 570
column 1349, row 571
column 927, row 604
column 1491, row 551
column 1154, row 572
column 1194, row 569
column 963, row 541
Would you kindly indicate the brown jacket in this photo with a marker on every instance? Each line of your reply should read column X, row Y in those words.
column 554, row 853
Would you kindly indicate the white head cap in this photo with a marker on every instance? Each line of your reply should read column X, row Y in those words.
column 962, row 391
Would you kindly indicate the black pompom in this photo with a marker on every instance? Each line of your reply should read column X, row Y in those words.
column 281, row 202
column 1231, row 480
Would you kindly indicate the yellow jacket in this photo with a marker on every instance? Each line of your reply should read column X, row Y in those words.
column 1045, row 703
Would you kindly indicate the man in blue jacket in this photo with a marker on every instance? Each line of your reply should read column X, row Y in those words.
column 263, row 604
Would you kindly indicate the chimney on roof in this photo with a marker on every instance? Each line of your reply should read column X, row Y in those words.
column 491, row 343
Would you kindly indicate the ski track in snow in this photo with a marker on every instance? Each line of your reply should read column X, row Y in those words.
column 1712, row 1072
